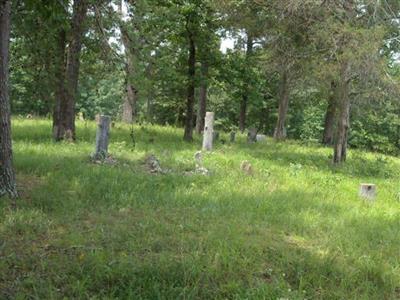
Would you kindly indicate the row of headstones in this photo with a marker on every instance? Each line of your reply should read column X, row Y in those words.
column 209, row 135
column 367, row 191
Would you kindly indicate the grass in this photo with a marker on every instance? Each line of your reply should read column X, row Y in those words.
column 295, row 229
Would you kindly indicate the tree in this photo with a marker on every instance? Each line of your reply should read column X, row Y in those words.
column 129, row 107
column 64, row 110
column 7, row 175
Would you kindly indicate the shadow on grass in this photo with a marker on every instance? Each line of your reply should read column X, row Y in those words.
column 181, row 247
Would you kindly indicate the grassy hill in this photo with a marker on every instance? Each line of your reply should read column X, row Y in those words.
column 294, row 229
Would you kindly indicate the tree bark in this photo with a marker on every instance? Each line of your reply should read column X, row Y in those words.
column 343, row 124
column 60, row 85
column 201, row 114
column 202, row 99
column 330, row 117
column 188, row 135
column 130, row 102
column 7, row 174
column 66, row 118
column 280, row 129
column 245, row 96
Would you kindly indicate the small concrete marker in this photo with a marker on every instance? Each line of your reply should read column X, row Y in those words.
column 261, row 137
column 368, row 191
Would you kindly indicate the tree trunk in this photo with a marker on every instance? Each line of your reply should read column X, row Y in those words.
column 343, row 125
column 130, row 102
column 280, row 129
column 242, row 113
column 245, row 96
column 7, row 175
column 60, row 85
column 188, row 136
column 330, row 116
column 202, row 99
column 129, row 106
column 66, row 119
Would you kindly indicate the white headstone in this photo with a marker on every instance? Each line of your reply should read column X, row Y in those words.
column 368, row 191
column 208, row 131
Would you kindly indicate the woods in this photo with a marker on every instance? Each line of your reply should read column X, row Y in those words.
column 162, row 61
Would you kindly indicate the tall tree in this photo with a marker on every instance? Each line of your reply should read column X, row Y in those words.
column 190, row 23
column 245, row 95
column 330, row 117
column 64, row 113
column 7, row 175
column 129, row 107
column 201, row 113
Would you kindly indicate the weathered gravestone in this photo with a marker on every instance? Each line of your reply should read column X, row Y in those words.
column 232, row 136
column 261, row 137
column 102, row 136
column 368, row 191
column 208, row 131
column 252, row 135
column 215, row 136
column 246, row 167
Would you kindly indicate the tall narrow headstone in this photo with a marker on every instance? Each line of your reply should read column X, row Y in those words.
column 208, row 131
column 232, row 136
column 102, row 135
column 215, row 136
column 252, row 135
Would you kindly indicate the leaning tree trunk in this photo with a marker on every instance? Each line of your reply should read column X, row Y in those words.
column 66, row 118
column 130, row 101
column 202, row 99
column 188, row 135
column 129, row 105
column 330, row 116
column 343, row 124
column 7, row 175
column 245, row 96
column 280, row 129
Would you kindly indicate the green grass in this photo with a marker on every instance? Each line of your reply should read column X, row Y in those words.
column 295, row 229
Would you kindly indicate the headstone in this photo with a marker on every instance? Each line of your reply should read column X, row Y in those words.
column 252, row 135
column 261, row 137
column 97, row 118
column 232, row 137
column 102, row 136
column 246, row 167
column 215, row 136
column 153, row 164
column 368, row 191
column 198, row 156
column 208, row 131
column 200, row 169
column 80, row 116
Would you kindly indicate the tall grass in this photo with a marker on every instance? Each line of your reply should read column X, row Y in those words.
column 295, row 229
